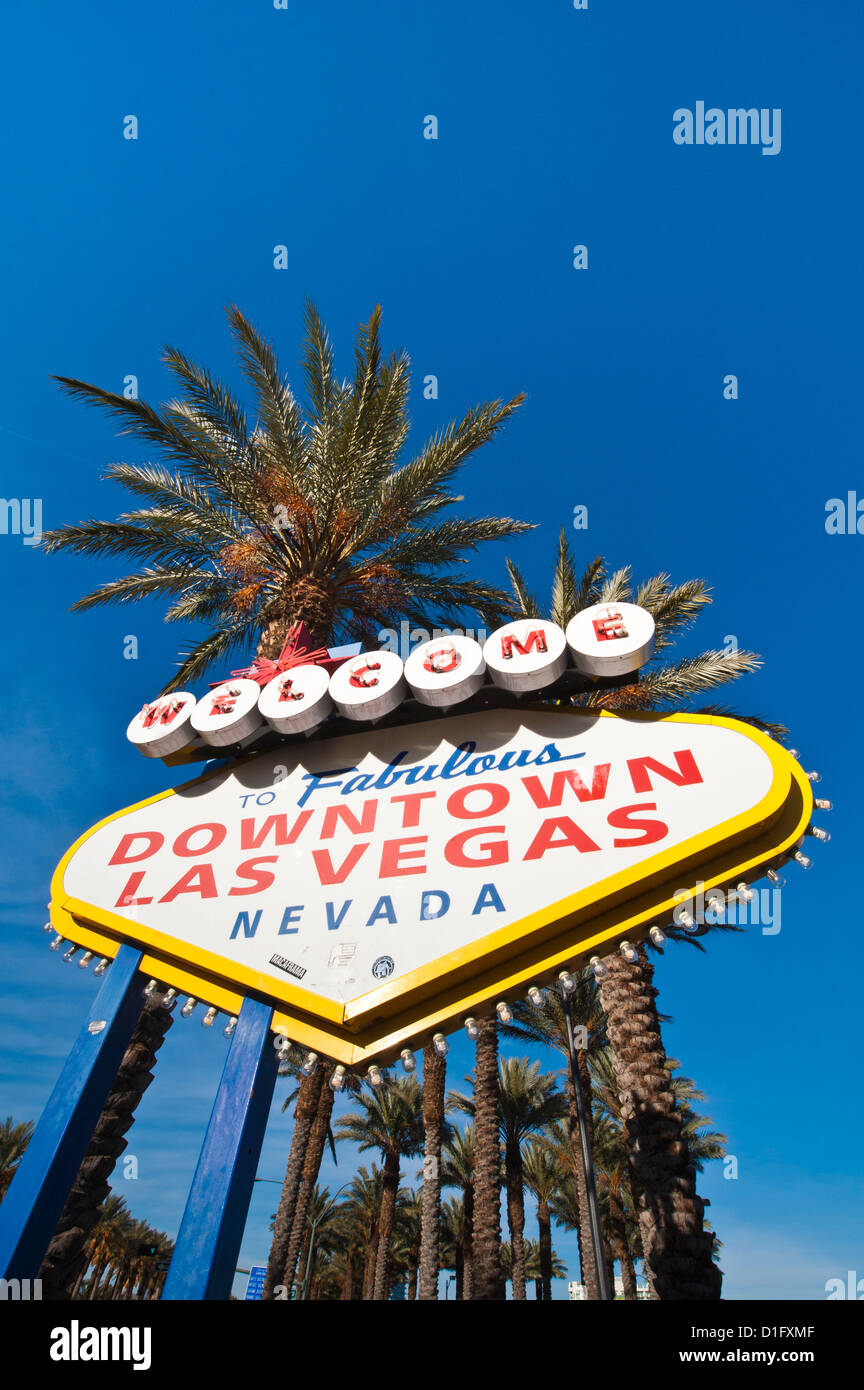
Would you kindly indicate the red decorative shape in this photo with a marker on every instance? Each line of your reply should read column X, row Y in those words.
column 297, row 651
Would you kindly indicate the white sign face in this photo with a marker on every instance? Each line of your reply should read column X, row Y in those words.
column 163, row 727
column 445, row 670
column 229, row 713
column 369, row 685
column 527, row 654
column 610, row 639
column 353, row 862
column 296, row 700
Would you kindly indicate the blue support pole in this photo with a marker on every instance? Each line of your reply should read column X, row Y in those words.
column 208, row 1244
column 36, row 1197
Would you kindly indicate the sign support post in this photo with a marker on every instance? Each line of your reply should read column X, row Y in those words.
column 38, row 1192
column 208, row 1243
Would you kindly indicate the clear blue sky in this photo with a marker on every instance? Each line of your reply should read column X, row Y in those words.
column 304, row 127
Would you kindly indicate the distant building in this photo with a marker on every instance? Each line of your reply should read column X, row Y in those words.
column 578, row 1294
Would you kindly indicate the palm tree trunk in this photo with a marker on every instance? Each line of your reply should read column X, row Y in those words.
column 621, row 1250
column 304, row 1115
column 587, row 1262
column 66, row 1255
column 390, row 1188
column 413, row 1274
column 678, row 1250
column 538, row 1290
column 544, row 1227
column 348, row 1277
column 468, row 1243
column 516, row 1221
column 315, row 1146
column 487, row 1277
column 369, row 1267
column 434, row 1073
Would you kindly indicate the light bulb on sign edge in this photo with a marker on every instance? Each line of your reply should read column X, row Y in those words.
column 189, row 1007
column 337, row 1080
column 628, row 952
column 818, row 801
column 657, row 936
column 309, row 1065
column 279, row 1041
column 210, row 1018
column 802, row 859
column 793, row 752
column 504, row 1012
column 777, row 879
column 823, row 835
column 228, row 1030
column 600, row 969
column 683, row 918
column 56, row 943
column 85, row 960
column 73, row 950
column 568, row 984
column 814, row 776
column 407, row 1059
column 745, row 892
column 169, row 999
column 440, row 1044
column 150, row 988
column 101, row 966
column 375, row 1077
column 48, row 927
column 472, row 1028
column 536, row 996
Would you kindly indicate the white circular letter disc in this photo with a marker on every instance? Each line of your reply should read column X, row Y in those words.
column 369, row 685
column 229, row 713
column 446, row 670
column 526, row 655
column 296, row 700
column 163, row 727
column 610, row 639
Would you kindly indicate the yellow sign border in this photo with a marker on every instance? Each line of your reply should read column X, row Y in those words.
column 498, row 966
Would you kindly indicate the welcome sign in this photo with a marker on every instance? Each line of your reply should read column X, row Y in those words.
column 375, row 886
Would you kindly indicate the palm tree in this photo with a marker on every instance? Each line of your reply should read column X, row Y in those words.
column 487, row 1279
column 434, row 1074
column 14, row 1139
column 360, row 1220
column 457, row 1170
column 546, row 1024
column 321, row 1234
column 408, row 1238
column 542, row 1178
column 316, row 1141
column 254, row 523
column 62, row 1264
column 307, row 1096
column 112, row 1214
column 389, row 1119
column 616, row 1201
column 528, row 1103
column 677, row 1250
column 532, row 1264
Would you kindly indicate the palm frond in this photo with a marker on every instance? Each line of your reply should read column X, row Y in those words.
column 526, row 603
